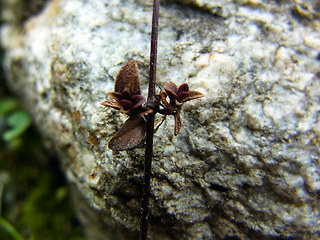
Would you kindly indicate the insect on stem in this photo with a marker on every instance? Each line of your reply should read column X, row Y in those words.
column 128, row 100
column 150, row 122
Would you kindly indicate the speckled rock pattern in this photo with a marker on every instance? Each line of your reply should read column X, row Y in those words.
column 246, row 163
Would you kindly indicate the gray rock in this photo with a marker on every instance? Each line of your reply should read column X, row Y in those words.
column 246, row 163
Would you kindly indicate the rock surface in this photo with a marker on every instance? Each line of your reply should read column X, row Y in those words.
column 246, row 163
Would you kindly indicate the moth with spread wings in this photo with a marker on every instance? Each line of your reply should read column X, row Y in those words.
column 128, row 100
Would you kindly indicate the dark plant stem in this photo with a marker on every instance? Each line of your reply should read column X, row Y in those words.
column 153, row 53
column 150, row 122
column 147, row 177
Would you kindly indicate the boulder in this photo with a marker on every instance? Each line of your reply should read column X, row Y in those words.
column 246, row 162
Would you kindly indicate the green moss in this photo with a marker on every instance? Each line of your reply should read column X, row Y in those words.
column 36, row 197
column 9, row 229
column 18, row 122
column 7, row 105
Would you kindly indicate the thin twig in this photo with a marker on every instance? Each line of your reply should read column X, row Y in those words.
column 153, row 53
column 150, row 122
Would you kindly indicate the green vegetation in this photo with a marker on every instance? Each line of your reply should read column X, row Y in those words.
column 14, row 122
column 34, row 196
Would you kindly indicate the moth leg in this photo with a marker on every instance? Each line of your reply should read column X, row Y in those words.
column 161, row 89
column 163, row 118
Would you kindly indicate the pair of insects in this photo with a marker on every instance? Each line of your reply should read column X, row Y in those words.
column 128, row 99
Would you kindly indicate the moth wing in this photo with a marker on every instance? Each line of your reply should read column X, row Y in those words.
column 132, row 132
column 112, row 104
column 177, row 122
column 128, row 78
column 193, row 95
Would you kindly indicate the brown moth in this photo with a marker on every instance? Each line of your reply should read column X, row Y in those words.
column 127, row 92
column 177, row 97
column 128, row 100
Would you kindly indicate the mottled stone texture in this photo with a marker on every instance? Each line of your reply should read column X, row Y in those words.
column 246, row 163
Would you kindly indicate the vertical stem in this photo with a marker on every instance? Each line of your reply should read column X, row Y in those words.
column 147, row 177
column 150, row 122
column 153, row 52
